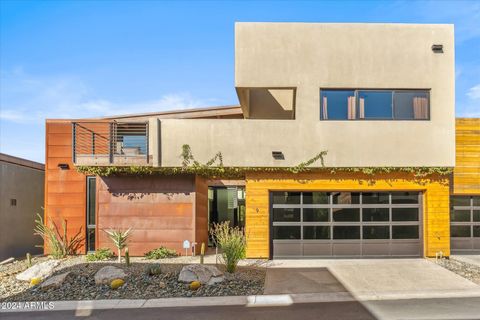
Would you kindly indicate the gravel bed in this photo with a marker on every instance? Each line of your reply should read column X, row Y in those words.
column 466, row 270
column 80, row 285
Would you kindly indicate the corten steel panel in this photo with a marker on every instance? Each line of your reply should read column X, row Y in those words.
column 159, row 209
column 65, row 190
column 201, row 212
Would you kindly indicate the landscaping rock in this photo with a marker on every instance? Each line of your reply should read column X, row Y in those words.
column 55, row 281
column 40, row 270
column 109, row 273
column 204, row 274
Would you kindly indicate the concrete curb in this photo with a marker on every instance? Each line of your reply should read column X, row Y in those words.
column 86, row 306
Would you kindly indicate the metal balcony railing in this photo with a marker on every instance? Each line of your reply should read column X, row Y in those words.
column 110, row 142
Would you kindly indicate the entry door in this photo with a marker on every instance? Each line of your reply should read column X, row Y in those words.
column 227, row 204
column 345, row 224
column 465, row 224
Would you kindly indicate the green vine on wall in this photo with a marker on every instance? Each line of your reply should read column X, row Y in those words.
column 214, row 168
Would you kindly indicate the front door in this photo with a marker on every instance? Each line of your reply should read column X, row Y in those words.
column 226, row 204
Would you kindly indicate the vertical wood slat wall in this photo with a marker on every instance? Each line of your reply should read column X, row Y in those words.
column 65, row 190
column 466, row 177
column 436, row 221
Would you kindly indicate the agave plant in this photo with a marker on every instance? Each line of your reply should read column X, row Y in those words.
column 119, row 239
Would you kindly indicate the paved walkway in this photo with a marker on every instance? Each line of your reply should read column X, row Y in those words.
column 468, row 258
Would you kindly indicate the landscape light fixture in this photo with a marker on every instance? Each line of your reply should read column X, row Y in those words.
column 63, row 166
column 278, row 155
column 437, row 48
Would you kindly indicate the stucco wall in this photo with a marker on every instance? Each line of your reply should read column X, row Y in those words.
column 26, row 185
column 312, row 56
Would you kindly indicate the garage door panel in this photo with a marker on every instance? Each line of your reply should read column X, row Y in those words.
column 404, row 248
column 317, row 249
column 346, row 249
column 465, row 224
column 285, row 249
column 376, row 248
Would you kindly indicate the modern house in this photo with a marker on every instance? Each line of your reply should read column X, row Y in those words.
column 21, row 196
column 344, row 144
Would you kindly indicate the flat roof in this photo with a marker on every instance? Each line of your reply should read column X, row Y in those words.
column 21, row 162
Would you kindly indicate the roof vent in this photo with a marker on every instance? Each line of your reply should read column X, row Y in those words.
column 437, row 48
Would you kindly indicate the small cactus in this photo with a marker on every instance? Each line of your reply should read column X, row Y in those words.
column 153, row 270
column 202, row 252
column 127, row 257
column 117, row 283
column 194, row 285
column 29, row 260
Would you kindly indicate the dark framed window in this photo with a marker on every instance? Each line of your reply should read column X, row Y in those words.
column 316, row 232
column 287, row 232
column 286, row 214
column 405, row 232
column 376, row 232
column 315, row 214
column 346, row 232
column 91, row 212
column 286, row 197
column 374, row 104
column 375, row 214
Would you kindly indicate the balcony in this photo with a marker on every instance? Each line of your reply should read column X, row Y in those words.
column 105, row 143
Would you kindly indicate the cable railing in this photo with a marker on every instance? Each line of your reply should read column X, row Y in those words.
column 110, row 142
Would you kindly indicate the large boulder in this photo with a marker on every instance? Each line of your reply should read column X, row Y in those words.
column 40, row 270
column 109, row 273
column 204, row 274
column 55, row 281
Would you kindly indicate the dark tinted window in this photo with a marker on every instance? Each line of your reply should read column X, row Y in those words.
column 334, row 104
column 404, row 197
column 91, row 187
column 460, row 215
column 404, row 232
column 91, row 239
column 375, row 104
column 286, row 232
column 376, row 232
column 459, row 201
column 375, row 198
column 316, row 232
column 346, row 197
column 411, row 104
column 286, row 197
column 375, row 214
column 476, row 231
column 476, row 201
column 286, row 214
column 404, row 214
column 315, row 214
column 346, row 232
column 346, row 214
column 315, row 198
column 460, row 231
column 476, row 215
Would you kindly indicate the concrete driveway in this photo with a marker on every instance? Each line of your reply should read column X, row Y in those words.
column 468, row 258
column 367, row 278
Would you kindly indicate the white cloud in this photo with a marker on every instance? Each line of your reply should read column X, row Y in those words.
column 474, row 93
column 32, row 99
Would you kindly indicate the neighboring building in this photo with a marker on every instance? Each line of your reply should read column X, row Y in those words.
column 378, row 97
column 22, row 195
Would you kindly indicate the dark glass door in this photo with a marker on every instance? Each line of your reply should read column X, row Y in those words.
column 226, row 204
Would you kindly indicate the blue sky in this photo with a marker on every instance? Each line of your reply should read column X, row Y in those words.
column 78, row 59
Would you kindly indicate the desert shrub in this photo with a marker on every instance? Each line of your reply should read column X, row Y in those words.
column 232, row 241
column 100, row 254
column 57, row 240
column 161, row 253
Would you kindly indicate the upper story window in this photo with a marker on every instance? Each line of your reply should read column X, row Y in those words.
column 374, row 104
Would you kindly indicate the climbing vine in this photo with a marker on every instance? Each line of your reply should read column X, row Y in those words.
column 214, row 168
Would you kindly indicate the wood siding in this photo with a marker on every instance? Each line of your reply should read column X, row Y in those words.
column 65, row 190
column 436, row 229
column 160, row 210
column 466, row 178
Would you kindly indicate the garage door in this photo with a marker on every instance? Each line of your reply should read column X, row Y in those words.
column 465, row 224
column 345, row 224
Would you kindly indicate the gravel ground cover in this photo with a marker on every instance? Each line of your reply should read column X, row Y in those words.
column 466, row 270
column 80, row 284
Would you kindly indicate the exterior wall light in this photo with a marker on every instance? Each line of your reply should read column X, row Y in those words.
column 278, row 155
column 437, row 48
column 63, row 166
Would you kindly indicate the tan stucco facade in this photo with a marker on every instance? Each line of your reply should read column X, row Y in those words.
column 313, row 56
